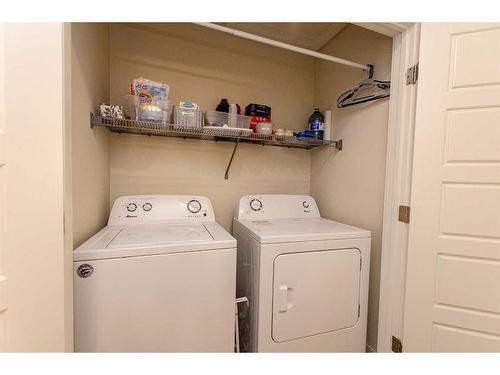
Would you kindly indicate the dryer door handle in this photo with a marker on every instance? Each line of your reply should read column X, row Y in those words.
column 283, row 298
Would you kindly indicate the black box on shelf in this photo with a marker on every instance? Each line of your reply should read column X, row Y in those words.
column 259, row 110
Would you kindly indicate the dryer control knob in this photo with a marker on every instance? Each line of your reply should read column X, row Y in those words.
column 147, row 206
column 255, row 204
column 131, row 207
column 194, row 206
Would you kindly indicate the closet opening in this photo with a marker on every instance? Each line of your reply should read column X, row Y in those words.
column 357, row 173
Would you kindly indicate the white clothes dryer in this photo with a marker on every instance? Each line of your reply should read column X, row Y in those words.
column 306, row 277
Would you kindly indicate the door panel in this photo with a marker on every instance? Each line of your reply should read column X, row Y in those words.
column 470, row 210
column 459, row 279
column 453, row 278
column 473, row 135
column 474, row 56
column 452, row 339
column 315, row 292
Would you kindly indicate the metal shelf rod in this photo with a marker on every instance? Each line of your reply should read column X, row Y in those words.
column 226, row 176
column 290, row 47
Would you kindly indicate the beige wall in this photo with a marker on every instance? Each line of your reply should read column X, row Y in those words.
column 204, row 66
column 141, row 165
column 90, row 147
column 349, row 185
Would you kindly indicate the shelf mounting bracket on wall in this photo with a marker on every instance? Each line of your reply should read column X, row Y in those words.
column 226, row 176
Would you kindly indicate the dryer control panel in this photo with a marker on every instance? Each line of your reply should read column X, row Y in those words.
column 148, row 209
column 274, row 206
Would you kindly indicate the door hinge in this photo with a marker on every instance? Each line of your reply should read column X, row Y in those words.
column 412, row 75
column 404, row 214
column 359, row 310
column 397, row 345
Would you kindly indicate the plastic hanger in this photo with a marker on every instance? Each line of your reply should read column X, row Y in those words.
column 367, row 90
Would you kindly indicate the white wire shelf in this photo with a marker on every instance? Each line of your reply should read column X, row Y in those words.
column 222, row 134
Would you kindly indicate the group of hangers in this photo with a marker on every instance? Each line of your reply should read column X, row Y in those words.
column 367, row 90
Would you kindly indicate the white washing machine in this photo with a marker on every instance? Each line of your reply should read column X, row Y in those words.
column 306, row 277
column 160, row 277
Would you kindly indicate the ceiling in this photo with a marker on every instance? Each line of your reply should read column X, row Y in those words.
column 311, row 35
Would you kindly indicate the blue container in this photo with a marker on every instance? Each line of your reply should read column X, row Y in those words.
column 317, row 123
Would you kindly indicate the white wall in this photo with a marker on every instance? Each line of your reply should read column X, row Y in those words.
column 34, row 258
column 349, row 185
column 90, row 147
column 205, row 66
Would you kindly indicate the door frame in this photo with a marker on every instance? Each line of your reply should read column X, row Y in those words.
column 399, row 158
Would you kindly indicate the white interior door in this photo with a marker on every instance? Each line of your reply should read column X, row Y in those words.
column 315, row 292
column 453, row 279
column 35, row 304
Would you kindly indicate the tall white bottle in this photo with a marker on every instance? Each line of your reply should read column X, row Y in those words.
column 327, row 134
column 233, row 111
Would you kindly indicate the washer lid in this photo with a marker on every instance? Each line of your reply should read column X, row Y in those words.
column 159, row 234
column 301, row 229
column 121, row 241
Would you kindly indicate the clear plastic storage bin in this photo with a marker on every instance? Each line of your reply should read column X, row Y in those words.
column 215, row 118
column 191, row 118
column 148, row 109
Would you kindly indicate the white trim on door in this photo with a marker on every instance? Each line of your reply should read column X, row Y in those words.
column 399, row 158
column 397, row 187
column 392, row 29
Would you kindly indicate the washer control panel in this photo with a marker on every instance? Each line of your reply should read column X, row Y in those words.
column 194, row 206
column 143, row 209
column 274, row 206
column 256, row 204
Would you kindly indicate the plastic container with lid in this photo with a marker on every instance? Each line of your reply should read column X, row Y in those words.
column 215, row 118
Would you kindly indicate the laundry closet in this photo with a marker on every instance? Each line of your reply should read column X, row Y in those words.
column 203, row 66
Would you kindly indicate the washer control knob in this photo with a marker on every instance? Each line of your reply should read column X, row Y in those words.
column 255, row 204
column 131, row 207
column 305, row 204
column 147, row 206
column 194, row 206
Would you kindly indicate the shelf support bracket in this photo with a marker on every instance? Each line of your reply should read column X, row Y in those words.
column 226, row 176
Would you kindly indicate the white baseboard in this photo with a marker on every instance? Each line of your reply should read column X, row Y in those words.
column 369, row 349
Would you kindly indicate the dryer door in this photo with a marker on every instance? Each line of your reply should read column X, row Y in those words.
column 315, row 292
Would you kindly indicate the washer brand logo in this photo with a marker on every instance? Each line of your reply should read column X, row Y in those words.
column 84, row 270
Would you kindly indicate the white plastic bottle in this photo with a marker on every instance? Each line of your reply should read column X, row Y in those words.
column 233, row 111
column 327, row 136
